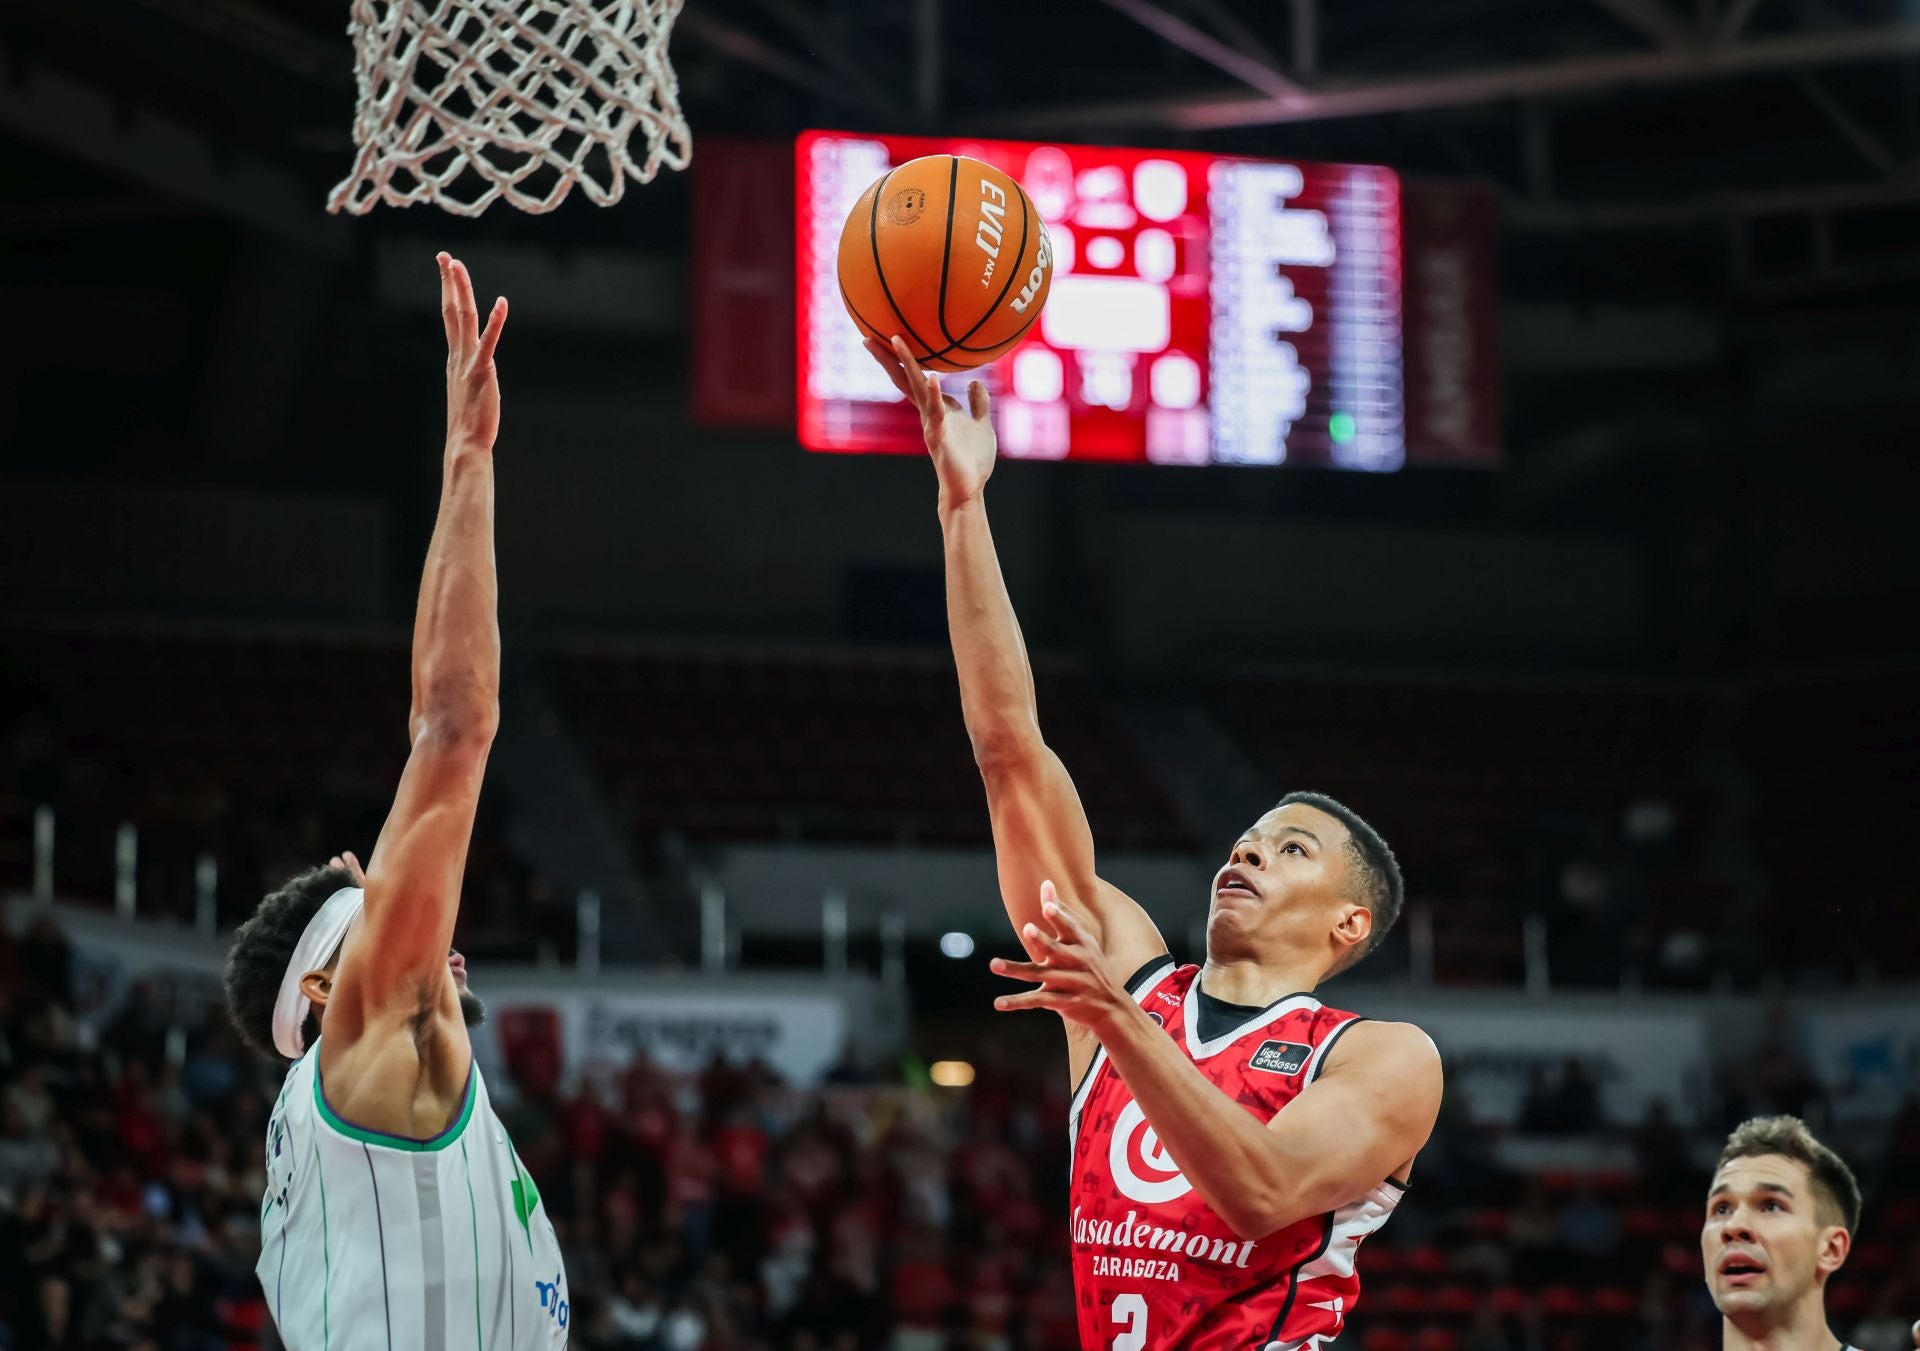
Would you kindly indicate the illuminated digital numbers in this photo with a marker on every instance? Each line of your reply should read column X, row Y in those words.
column 1202, row 310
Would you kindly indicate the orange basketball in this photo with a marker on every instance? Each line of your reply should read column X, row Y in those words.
column 948, row 253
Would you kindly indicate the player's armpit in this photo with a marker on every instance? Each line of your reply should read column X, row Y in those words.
column 395, row 962
column 1369, row 1111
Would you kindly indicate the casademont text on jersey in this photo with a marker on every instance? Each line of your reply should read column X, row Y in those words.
column 1130, row 1233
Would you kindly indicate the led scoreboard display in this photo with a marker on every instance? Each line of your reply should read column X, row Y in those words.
column 1205, row 309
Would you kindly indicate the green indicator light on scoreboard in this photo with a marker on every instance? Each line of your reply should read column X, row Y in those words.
column 1341, row 428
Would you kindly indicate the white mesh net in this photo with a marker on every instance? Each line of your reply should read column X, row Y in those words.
column 463, row 102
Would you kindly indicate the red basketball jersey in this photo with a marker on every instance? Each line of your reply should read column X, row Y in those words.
column 1153, row 1266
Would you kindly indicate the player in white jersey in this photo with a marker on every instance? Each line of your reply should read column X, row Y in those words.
column 397, row 1215
column 1781, row 1214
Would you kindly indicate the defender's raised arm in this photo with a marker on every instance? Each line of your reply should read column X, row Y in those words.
column 394, row 967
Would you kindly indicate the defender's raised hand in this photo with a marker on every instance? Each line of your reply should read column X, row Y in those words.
column 473, row 389
column 960, row 440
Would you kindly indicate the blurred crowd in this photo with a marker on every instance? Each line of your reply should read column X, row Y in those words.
column 729, row 1209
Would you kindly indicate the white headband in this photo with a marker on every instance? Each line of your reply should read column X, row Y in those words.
column 324, row 932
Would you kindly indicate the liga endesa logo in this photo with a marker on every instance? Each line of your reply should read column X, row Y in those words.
column 1142, row 1168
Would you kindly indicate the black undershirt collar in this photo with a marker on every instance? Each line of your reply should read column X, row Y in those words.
column 1216, row 1017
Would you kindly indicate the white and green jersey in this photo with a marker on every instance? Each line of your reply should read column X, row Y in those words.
column 371, row 1240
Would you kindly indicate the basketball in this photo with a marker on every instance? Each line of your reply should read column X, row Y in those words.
column 949, row 253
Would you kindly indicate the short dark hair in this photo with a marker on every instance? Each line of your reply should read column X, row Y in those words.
column 1789, row 1137
column 1374, row 866
column 264, row 945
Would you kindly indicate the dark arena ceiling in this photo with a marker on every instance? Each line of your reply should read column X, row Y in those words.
column 1736, row 177
column 1746, row 147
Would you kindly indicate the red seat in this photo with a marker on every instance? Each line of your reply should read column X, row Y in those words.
column 1563, row 1301
column 1492, row 1223
column 1403, row 1299
column 1453, row 1301
column 1438, row 1339
column 1848, row 1298
column 241, row 1315
column 1381, row 1261
column 1614, row 1302
column 1386, row 1339
column 1643, row 1222
column 1875, row 1257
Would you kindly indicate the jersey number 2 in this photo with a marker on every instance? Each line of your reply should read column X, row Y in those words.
column 1131, row 1310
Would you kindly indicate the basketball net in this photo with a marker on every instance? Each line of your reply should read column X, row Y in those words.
column 463, row 102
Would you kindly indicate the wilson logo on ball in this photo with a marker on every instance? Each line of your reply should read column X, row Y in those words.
column 1142, row 1168
column 1041, row 263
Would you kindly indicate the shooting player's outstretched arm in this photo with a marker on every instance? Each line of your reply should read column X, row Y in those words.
column 1040, row 830
column 392, row 990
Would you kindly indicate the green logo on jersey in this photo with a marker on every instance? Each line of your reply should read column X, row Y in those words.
column 526, row 1197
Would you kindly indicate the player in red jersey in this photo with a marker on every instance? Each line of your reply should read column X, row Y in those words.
column 1233, row 1139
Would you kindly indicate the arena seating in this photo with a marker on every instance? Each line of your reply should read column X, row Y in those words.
column 269, row 752
column 1487, row 791
column 1836, row 767
column 861, row 747
column 1454, row 769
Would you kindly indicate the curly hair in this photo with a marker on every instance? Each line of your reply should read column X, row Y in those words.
column 264, row 945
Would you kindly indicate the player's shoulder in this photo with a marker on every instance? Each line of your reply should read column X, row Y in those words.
column 1387, row 1049
column 1162, row 973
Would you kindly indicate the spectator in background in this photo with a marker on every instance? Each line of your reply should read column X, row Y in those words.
column 1534, row 1235
column 46, row 965
column 138, row 1032
column 1885, row 1328
column 24, row 1156
column 30, row 1106
column 54, row 1328
column 1661, row 1153
column 1784, row 1084
column 1536, row 1103
column 1487, row 1332
column 1577, row 1103
column 1569, row 1107
column 137, row 1201
column 1590, row 1229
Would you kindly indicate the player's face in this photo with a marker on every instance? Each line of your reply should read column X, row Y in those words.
column 1284, row 880
column 471, row 1009
column 1763, row 1241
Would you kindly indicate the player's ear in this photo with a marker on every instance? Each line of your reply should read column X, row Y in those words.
column 317, row 986
column 1355, row 925
column 1835, row 1244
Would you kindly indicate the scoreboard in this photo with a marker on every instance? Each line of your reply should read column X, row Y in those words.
column 1205, row 309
